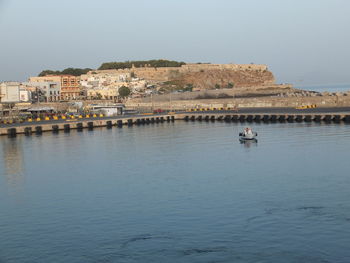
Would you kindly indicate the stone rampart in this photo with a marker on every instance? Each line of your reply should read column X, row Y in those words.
column 167, row 73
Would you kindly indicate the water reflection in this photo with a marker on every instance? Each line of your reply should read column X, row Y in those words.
column 13, row 163
column 249, row 143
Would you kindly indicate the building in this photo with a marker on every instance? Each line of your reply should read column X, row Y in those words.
column 9, row 92
column 103, row 93
column 44, row 91
column 109, row 110
column 70, row 87
column 24, row 95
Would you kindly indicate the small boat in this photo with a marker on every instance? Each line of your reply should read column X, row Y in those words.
column 247, row 134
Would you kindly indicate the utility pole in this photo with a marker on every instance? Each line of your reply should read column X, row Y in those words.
column 37, row 95
column 152, row 102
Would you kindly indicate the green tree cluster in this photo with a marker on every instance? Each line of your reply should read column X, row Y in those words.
column 230, row 85
column 188, row 87
column 141, row 63
column 67, row 71
column 124, row 91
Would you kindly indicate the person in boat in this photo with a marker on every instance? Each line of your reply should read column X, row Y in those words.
column 248, row 131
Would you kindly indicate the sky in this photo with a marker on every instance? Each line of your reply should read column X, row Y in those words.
column 303, row 42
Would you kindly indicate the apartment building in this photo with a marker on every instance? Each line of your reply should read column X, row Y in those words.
column 70, row 87
column 12, row 92
column 44, row 91
column 9, row 92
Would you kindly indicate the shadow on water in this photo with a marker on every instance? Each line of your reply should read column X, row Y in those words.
column 249, row 143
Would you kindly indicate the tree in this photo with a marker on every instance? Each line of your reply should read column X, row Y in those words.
column 157, row 63
column 230, row 85
column 217, row 86
column 67, row 71
column 124, row 91
column 188, row 87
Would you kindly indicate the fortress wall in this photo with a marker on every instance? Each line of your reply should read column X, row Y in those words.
column 166, row 73
column 248, row 73
column 236, row 67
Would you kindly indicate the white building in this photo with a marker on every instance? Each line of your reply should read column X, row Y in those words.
column 25, row 95
column 50, row 90
column 101, row 80
column 109, row 110
column 9, row 92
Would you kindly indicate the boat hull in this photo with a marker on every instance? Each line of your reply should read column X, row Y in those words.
column 242, row 138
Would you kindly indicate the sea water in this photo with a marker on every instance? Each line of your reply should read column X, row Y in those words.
column 177, row 192
column 326, row 87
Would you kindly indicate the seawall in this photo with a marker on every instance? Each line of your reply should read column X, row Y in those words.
column 268, row 102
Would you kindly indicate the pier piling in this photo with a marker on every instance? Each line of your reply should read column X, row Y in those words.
column 12, row 132
column 80, row 126
column 55, row 128
column 273, row 118
column 290, row 118
column 38, row 130
column 28, row 131
column 90, row 125
column 109, row 124
column 234, row 118
column 66, row 128
column 282, row 118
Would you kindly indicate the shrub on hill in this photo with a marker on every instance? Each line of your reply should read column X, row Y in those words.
column 141, row 63
column 67, row 71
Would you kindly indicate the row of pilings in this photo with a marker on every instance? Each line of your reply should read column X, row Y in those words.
column 31, row 128
column 79, row 126
column 336, row 118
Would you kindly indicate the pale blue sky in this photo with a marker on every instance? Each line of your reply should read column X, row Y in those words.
column 302, row 41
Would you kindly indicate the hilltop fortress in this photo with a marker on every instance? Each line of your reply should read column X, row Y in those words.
column 202, row 76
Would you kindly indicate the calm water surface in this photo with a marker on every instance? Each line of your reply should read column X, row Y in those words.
column 181, row 192
column 328, row 87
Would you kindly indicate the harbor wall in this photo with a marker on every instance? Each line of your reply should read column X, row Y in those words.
column 320, row 101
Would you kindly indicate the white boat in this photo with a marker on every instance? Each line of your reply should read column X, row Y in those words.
column 247, row 134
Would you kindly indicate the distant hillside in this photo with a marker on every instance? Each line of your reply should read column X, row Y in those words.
column 141, row 63
column 67, row 71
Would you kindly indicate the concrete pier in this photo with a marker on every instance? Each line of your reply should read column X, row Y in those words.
column 29, row 128
column 266, row 118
